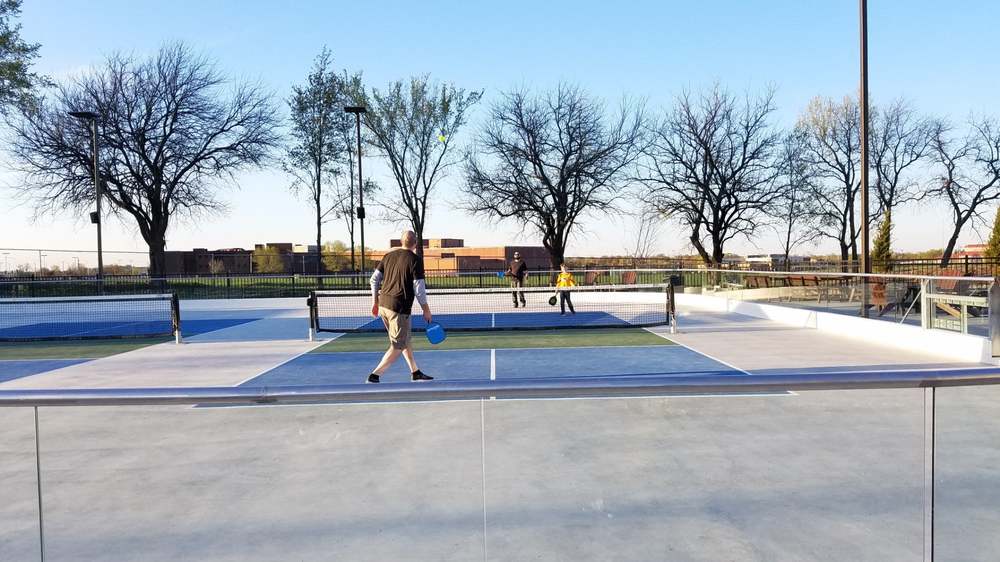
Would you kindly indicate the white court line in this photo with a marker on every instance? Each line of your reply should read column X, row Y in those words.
column 726, row 363
column 482, row 426
column 53, row 359
column 493, row 364
column 527, row 348
column 689, row 348
column 292, row 358
column 459, row 400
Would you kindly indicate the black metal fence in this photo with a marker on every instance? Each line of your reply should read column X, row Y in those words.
column 592, row 271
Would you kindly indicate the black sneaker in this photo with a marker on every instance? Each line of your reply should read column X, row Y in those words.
column 373, row 379
column 515, row 304
column 417, row 376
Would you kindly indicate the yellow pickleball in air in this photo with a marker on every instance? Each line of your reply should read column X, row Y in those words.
column 442, row 138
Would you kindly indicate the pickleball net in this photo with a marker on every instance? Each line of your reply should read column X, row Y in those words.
column 94, row 317
column 602, row 306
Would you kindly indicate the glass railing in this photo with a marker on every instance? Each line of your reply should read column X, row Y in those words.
column 944, row 302
column 832, row 466
column 967, row 473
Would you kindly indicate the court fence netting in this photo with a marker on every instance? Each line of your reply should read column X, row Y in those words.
column 94, row 317
column 604, row 306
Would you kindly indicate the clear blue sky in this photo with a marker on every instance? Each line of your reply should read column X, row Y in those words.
column 940, row 55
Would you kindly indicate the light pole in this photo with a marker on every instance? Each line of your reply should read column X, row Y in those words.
column 5, row 268
column 95, row 218
column 77, row 258
column 866, row 264
column 357, row 110
column 41, row 264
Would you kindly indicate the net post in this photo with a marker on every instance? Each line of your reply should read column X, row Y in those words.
column 993, row 314
column 175, row 317
column 311, row 303
column 926, row 304
column 671, row 305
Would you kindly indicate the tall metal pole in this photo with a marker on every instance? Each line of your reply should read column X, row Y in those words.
column 866, row 266
column 361, row 194
column 96, row 217
column 100, row 217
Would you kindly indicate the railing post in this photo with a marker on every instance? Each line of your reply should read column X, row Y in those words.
column 994, row 315
column 930, row 450
column 38, row 481
column 926, row 304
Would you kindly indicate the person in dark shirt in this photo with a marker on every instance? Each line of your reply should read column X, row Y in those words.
column 398, row 280
column 516, row 271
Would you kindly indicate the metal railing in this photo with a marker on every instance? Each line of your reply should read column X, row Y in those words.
column 527, row 388
column 538, row 388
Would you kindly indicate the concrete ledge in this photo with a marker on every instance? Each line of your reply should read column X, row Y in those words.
column 951, row 345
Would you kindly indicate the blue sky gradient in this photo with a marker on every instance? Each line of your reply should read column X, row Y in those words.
column 939, row 55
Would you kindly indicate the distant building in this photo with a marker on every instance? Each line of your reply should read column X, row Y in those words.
column 451, row 254
column 774, row 261
column 201, row 261
column 971, row 251
column 440, row 254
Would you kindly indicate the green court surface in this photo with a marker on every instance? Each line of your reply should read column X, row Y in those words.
column 505, row 340
column 79, row 349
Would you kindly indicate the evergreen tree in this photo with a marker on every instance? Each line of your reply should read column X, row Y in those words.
column 18, row 85
column 882, row 248
column 993, row 246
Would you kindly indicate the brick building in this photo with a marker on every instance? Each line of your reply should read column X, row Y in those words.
column 440, row 254
column 451, row 254
column 201, row 261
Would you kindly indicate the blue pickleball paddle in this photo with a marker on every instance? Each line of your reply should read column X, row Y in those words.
column 435, row 333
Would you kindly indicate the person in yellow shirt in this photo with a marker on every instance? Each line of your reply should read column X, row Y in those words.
column 564, row 282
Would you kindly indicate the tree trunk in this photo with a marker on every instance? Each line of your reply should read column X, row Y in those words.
column 556, row 254
column 700, row 248
column 350, row 226
column 718, row 253
column 319, row 240
column 844, row 256
column 952, row 242
column 157, row 257
column 418, row 229
column 556, row 258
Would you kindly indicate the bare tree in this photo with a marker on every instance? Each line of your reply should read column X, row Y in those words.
column 346, row 208
column 968, row 174
column 711, row 166
column 414, row 126
column 832, row 131
column 169, row 136
column 546, row 161
column 645, row 234
column 795, row 205
column 317, row 149
column 900, row 139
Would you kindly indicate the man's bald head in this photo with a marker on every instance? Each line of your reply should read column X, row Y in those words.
column 409, row 239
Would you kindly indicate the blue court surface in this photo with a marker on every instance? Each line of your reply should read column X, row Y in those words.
column 106, row 329
column 482, row 364
column 11, row 369
column 503, row 320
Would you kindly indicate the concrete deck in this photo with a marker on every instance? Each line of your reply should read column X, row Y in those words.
column 829, row 476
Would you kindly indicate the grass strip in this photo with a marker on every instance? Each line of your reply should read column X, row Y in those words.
column 614, row 337
column 76, row 349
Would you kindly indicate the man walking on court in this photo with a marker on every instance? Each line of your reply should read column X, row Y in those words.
column 398, row 280
column 516, row 271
